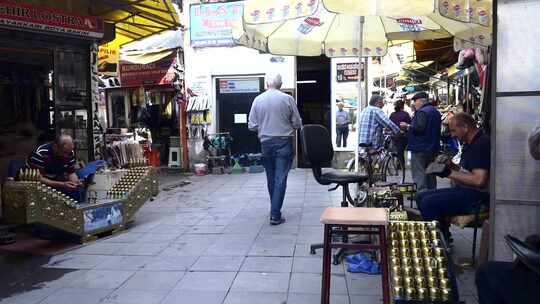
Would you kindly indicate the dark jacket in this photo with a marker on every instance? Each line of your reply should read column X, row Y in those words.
column 425, row 132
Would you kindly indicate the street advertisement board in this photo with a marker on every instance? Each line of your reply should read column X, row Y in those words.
column 347, row 72
column 102, row 217
column 45, row 19
column 211, row 24
column 228, row 86
column 155, row 73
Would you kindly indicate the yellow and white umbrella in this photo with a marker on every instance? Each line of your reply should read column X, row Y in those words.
column 337, row 34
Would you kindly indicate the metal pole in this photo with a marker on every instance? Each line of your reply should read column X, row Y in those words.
column 360, row 103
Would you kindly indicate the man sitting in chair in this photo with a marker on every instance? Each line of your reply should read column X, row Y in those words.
column 471, row 177
column 56, row 164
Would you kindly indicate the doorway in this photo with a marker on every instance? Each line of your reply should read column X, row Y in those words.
column 313, row 94
column 234, row 96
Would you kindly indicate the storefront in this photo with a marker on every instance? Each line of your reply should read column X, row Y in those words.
column 223, row 80
column 45, row 84
column 146, row 104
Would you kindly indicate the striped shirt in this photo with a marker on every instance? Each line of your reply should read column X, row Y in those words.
column 372, row 122
column 50, row 165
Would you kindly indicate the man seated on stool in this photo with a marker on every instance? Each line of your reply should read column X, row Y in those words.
column 471, row 178
column 56, row 164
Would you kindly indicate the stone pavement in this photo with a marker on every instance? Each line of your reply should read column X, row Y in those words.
column 210, row 243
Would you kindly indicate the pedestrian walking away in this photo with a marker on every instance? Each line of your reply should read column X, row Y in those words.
column 274, row 116
column 424, row 136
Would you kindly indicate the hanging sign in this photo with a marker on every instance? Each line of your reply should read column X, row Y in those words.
column 347, row 72
column 211, row 24
column 228, row 86
column 155, row 73
column 45, row 19
column 108, row 57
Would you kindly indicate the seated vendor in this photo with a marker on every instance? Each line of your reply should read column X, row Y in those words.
column 471, row 178
column 56, row 164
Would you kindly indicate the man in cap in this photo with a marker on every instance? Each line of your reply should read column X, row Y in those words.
column 424, row 136
column 274, row 116
column 372, row 122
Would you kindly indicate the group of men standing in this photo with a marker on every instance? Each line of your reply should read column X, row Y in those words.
column 275, row 117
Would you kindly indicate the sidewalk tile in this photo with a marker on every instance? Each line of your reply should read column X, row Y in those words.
column 267, row 264
column 261, row 282
column 206, row 281
column 153, row 280
column 255, row 297
column 218, row 263
column 195, row 297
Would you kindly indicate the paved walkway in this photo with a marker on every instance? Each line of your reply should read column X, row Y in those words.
column 210, row 243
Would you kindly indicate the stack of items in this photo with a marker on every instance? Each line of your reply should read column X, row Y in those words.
column 127, row 183
column 419, row 265
column 125, row 152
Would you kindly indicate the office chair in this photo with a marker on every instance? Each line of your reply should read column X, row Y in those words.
column 318, row 151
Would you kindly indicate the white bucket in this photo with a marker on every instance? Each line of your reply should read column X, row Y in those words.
column 200, row 169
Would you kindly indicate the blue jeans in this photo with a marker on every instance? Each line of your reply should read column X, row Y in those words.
column 341, row 136
column 436, row 204
column 277, row 155
column 419, row 163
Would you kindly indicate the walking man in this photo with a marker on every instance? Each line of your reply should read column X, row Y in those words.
column 424, row 136
column 343, row 120
column 274, row 116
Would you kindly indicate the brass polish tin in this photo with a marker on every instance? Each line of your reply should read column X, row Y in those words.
column 406, row 261
column 404, row 243
column 402, row 235
column 394, row 261
column 405, row 252
column 411, row 226
column 439, row 252
column 430, row 262
column 419, row 271
column 394, row 252
column 441, row 262
column 432, row 282
column 422, row 293
column 443, row 273
column 423, row 235
column 427, row 252
column 424, row 242
column 410, row 293
column 420, row 281
column 394, row 243
column 408, row 282
column 407, row 271
column 397, row 280
column 416, row 252
column 415, row 243
column 418, row 262
column 434, row 293
column 413, row 235
column 431, row 272
column 445, row 294
column 434, row 234
column 398, row 291
column 396, row 270
column 444, row 283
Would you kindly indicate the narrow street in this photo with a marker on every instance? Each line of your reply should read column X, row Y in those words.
column 209, row 242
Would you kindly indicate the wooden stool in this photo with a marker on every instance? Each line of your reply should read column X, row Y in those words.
column 374, row 218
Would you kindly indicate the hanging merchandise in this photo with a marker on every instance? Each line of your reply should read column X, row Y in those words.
column 199, row 116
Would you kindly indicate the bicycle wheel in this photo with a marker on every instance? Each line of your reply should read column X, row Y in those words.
column 394, row 170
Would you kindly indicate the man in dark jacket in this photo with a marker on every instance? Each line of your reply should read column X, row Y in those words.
column 424, row 135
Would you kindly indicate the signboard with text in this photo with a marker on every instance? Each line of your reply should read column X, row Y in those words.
column 155, row 73
column 211, row 24
column 228, row 86
column 103, row 217
column 44, row 19
column 347, row 72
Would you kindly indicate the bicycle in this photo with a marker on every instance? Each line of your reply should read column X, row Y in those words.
column 381, row 165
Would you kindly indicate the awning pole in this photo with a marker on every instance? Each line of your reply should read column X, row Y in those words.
column 360, row 103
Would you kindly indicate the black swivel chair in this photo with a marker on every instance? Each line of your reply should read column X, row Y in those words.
column 318, row 151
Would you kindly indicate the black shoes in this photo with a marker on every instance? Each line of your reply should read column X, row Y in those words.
column 276, row 221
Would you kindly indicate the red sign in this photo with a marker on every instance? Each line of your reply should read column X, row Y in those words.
column 158, row 72
column 39, row 18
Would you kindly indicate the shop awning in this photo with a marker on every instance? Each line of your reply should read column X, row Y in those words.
column 137, row 19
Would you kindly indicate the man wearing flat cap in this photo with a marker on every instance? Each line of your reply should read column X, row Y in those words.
column 424, row 136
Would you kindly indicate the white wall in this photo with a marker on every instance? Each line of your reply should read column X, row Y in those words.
column 203, row 64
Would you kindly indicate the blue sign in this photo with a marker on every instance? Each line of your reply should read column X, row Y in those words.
column 211, row 24
column 102, row 217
